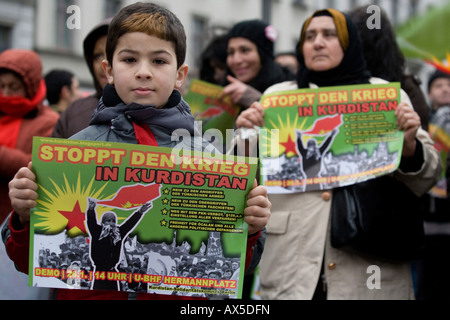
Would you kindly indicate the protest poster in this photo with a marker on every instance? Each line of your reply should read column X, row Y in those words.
column 210, row 108
column 318, row 139
column 439, row 129
column 138, row 218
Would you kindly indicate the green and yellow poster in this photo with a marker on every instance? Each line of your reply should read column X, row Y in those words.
column 138, row 218
column 318, row 139
column 211, row 108
column 439, row 129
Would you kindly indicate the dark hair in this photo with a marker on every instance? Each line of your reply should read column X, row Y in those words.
column 383, row 56
column 257, row 31
column 151, row 19
column 55, row 80
column 436, row 75
column 215, row 51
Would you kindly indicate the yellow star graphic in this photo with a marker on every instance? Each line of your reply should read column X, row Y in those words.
column 164, row 211
column 166, row 191
column 163, row 223
column 165, row 201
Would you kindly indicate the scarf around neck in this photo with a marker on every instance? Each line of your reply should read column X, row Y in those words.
column 176, row 114
column 109, row 231
column 12, row 111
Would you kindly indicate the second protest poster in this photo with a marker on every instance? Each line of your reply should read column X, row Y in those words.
column 318, row 139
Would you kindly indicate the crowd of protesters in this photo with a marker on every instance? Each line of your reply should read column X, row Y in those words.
column 298, row 260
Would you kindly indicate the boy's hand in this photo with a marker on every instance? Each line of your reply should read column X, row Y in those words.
column 22, row 193
column 257, row 213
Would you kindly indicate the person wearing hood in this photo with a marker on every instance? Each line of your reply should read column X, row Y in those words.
column 251, row 62
column 77, row 116
column 23, row 115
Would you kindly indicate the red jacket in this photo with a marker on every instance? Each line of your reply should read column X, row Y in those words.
column 22, row 118
column 11, row 160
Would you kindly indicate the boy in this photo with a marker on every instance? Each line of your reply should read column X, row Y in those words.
column 145, row 52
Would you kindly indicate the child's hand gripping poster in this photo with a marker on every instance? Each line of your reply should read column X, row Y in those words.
column 136, row 218
column 210, row 108
column 318, row 139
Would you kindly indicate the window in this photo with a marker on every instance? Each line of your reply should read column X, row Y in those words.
column 112, row 7
column 198, row 37
column 299, row 3
column 5, row 38
column 63, row 36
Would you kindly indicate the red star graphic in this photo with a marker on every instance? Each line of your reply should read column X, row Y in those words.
column 289, row 146
column 75, row 218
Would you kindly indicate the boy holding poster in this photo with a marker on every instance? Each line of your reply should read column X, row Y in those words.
column 146, row 47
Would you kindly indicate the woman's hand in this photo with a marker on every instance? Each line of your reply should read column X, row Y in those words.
column 235, row 89
column 408, row 121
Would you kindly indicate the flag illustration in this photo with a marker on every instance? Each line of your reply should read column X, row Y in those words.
column 210, row 112
column 325, row 125
column 130, row 197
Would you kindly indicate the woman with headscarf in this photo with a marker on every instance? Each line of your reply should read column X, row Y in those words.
column 299, row 261
column 23, row 115
column 251, row 62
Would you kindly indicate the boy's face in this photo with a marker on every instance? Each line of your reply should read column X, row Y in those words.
column 144, row 69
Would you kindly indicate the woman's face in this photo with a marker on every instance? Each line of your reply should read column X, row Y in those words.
column 322, row 50
column 243, row 59
column 99, row 55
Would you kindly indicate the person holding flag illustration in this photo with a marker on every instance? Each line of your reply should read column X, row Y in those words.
column 106, row 242
column 312, row 155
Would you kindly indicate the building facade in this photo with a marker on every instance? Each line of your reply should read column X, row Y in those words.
column 56, row 28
